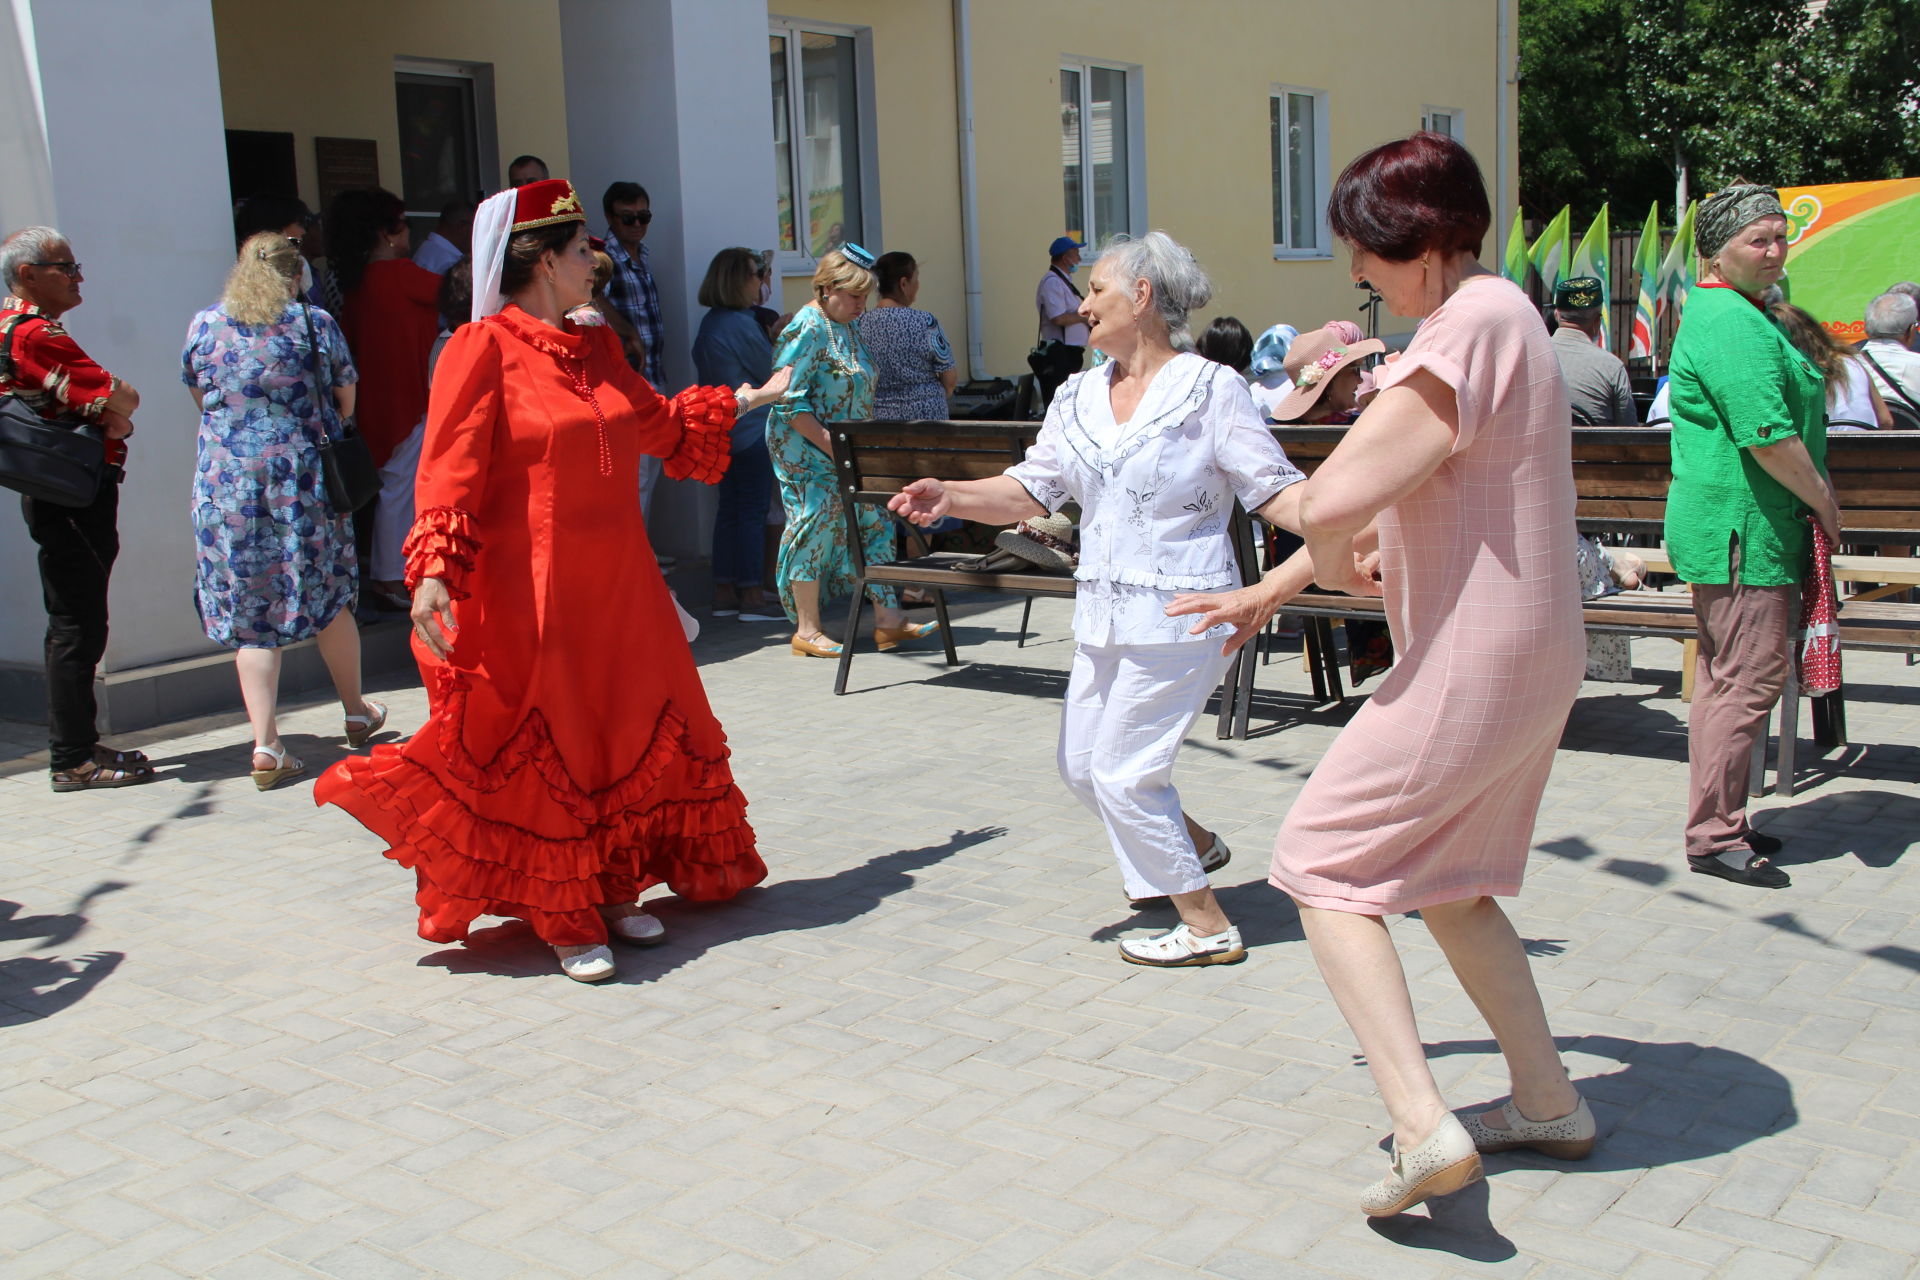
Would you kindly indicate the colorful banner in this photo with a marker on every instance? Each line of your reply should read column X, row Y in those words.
column 1646, row 264
column 1676, row 269
column 1849, row 241
column 1550, row 251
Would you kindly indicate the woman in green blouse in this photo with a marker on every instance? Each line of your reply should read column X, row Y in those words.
column 1749, row 470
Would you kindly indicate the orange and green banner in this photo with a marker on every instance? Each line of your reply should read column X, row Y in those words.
column 1849, row 241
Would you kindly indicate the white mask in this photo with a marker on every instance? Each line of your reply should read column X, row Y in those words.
column 306, row 278
column 766, row 290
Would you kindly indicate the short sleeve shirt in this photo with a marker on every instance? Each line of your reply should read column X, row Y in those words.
column 1738, row 385
column 1056, row 296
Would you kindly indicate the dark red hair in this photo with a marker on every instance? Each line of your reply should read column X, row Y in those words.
column 1411, row 197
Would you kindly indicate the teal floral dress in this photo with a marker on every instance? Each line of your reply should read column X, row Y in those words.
column 833, row 379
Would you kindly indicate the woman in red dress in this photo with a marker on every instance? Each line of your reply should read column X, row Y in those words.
column 570, row 760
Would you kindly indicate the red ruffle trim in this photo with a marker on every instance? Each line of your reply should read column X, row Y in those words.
column 441, row 544
column 705, row 446
column 697, row 841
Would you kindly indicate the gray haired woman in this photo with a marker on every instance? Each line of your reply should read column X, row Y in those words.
column 1154, row 445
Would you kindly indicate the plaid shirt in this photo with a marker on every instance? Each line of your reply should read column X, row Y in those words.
column 50, row 373
column 631, row 291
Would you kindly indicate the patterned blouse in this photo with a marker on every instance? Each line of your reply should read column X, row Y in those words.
column 910, row 353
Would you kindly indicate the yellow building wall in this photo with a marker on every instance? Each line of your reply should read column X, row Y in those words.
column 327, row 70
column 1207, row 68
column 919, row 146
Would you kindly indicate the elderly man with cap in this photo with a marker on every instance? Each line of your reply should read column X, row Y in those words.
column 1063, row 334
column 1749, row 450
column 1596, row 379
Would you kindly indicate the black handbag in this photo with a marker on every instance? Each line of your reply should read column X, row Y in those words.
column 345, row 461
column 62, row 461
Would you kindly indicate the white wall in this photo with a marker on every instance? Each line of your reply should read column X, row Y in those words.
column 672, row 94
column 134, row 170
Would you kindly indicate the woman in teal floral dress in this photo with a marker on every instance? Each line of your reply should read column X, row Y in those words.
column 833, row 381
column 274, row 563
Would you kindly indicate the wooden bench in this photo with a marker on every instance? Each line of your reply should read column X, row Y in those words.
column 875, row 460
column 1620, row 480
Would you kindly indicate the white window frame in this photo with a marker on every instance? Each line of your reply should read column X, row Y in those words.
column 800, row 260
column 1322, row 175
column 1136, row 140
column 1458, row 129
column 486, row 138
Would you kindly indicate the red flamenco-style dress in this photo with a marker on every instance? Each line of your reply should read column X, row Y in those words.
column 570, row 759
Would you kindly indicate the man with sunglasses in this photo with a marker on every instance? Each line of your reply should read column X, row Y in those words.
column 631, row 291
column 46, row 369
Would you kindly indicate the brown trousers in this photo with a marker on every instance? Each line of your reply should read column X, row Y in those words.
column 1746, row 636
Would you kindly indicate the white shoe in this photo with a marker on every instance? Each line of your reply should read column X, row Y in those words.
column 1440, row 1166
column 1183, row 947
column 595, row 964
column 638, row 929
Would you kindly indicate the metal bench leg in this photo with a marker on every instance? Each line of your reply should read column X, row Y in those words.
column 946, row 626
column 1757, row 766
column 1689, row 654
column 1229, row 698
column 1248, row 669
column 1310, row 656
column 854, row 610
column 1026, row 612
column 1789, row 733
column 1330, row 657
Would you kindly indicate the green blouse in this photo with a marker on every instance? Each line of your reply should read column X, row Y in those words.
column 1737, row 385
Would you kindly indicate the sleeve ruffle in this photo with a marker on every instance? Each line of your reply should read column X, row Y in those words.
column 705, row 448
column 441, row 544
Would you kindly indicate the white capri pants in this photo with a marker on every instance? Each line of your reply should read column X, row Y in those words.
column 393, row 518
column 1128, row 709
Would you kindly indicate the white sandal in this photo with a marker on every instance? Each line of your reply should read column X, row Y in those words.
column 1183, row 947
column 285, row 765
column 361, row 728
column 1440, row 1166
column 595, row 964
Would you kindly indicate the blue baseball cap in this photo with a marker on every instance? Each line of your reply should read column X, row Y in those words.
column 1061, row 244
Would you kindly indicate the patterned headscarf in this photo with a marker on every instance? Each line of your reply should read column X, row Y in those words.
column 1725, row 212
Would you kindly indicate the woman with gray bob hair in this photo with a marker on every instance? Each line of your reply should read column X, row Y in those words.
column 1176, row 283
column 1154, row 445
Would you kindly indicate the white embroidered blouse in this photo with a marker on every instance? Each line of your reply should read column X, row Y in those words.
column 1155, row 493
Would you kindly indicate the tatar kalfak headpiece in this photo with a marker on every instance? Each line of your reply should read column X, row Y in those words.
column 538, row 204
column 541, row 204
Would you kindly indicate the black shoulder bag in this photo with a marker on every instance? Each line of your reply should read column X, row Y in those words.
column 62, row 461
column 352, row 478
column 1912, row 410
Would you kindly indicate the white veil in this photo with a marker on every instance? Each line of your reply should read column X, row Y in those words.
column 492, row 227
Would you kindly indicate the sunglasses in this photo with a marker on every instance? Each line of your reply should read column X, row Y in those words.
column 71, row 269
column 639, row 219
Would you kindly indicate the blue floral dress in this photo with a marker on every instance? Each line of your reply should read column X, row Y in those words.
column 274, row 563
column 833, row 379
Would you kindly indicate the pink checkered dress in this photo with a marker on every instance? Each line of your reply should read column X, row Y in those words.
column 1430, row 793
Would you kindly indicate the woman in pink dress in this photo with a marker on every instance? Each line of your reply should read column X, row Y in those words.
column 1461, row 467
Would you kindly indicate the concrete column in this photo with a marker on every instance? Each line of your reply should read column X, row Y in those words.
column 111, row 129
column 673, row 94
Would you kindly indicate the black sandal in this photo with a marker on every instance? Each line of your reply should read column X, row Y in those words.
column 1759, row 871
column 93, row 773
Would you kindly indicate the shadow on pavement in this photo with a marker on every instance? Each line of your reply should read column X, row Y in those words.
column 785, row 906
column 36, row 987
column 1667, row 1104
column 1459, row 1224
column 1874, row 827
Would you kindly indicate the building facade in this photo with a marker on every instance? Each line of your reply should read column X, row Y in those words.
column 969, row 133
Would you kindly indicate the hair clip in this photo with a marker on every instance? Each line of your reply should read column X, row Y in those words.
column 857, row 256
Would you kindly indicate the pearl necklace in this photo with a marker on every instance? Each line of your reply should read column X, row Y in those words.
column 577, row 370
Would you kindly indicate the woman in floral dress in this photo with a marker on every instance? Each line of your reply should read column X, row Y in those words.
column 833, row 381
column 274, row 563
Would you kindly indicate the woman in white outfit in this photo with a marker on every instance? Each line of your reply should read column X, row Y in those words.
column 1154, row 445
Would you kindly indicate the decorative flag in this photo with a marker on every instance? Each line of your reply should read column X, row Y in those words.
column 1676, row 269
column 1646, row 263
column 1516, row 263
column 1594, row 258
column 1549, row 253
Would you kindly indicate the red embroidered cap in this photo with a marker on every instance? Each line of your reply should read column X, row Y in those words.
column 541, row 204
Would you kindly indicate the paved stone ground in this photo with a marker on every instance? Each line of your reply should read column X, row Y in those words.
column 913, row 1051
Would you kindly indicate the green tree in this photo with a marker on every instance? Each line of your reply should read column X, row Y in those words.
column 1619, row 98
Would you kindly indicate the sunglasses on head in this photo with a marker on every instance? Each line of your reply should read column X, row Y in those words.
column 640, row 219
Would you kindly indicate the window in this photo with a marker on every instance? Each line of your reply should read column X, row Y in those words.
column 1099, row 168
column 821, row 140
column 1444, row 120
column 1298, row 120
column 446, row 125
